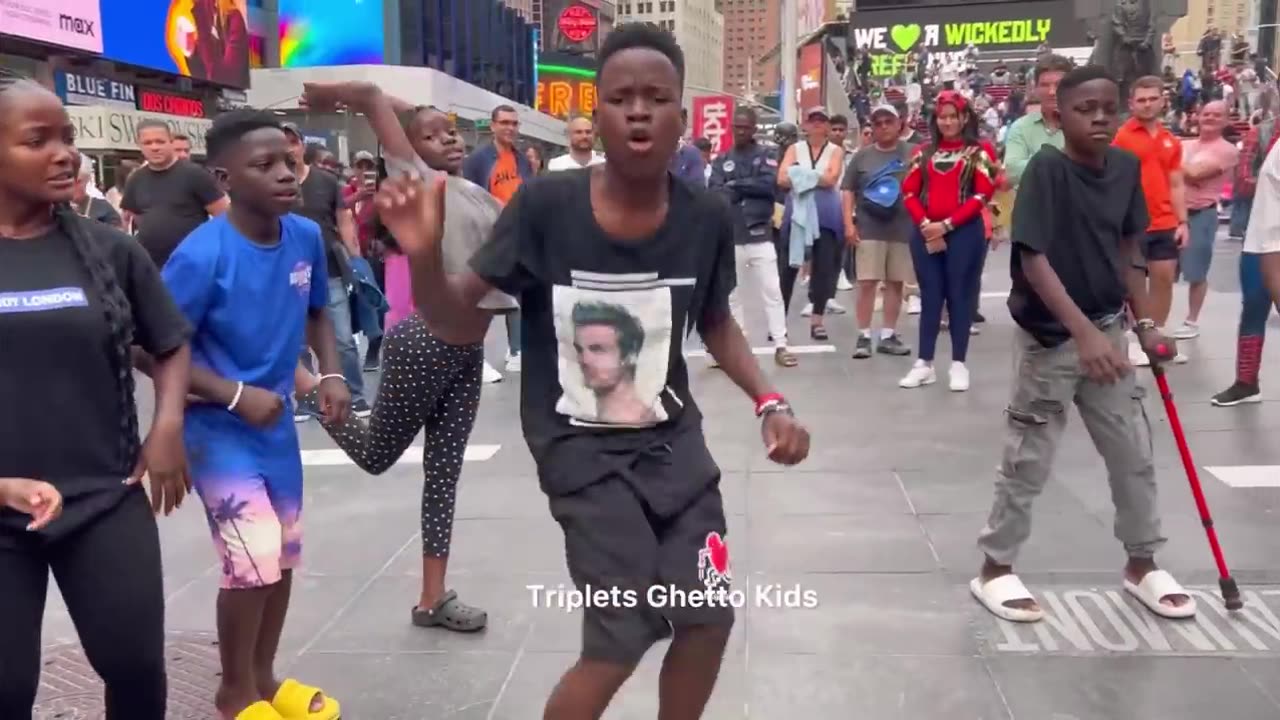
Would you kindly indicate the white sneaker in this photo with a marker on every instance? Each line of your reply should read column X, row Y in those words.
column 913, row 305
column 835, row 308
column 975, row 329
column 808, row 310
column 491, row 374
column 513, row 363
column 1137, row 357
column 843, row 284
column 959, row 377
column 1180, row 358
column 922, row 373
column 1188, row 331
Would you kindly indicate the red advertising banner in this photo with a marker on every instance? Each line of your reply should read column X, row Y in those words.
column 809, row 80
column 713, row 120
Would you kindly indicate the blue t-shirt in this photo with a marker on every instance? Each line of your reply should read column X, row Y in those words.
column 248, row 304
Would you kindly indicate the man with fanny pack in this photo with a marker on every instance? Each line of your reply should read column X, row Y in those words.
column 878, row 227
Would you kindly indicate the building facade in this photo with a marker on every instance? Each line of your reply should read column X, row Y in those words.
column 751, row 29
column 698, row 27
column 1228, row 16
column 524, row 8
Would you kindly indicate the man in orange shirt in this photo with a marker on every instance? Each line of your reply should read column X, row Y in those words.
column 501, row 169
column 1160, row 155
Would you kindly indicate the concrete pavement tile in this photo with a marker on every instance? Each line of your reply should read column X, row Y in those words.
column 838, row 543
column 1070, row 541
column 537, row 673
column 817, row 493
column 314, row 602
column 379, row 620
column 483, row 495
column 884, row 688
column 1121, row 688
column 1265, row 674
column 496, row 546
column 412, row 686
column 942, row 491
column 863, row 614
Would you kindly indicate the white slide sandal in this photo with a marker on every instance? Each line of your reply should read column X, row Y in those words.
column 995, row 593
column 1159, row 584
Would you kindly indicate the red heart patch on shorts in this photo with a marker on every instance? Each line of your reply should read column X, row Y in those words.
column 718, row 553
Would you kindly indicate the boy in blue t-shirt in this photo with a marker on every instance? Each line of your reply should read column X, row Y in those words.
column 253, row 284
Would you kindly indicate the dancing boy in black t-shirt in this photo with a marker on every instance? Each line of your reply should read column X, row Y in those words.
column 1080, row 212
column 613, row 266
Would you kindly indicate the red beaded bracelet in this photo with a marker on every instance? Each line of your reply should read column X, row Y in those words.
column 767, row 399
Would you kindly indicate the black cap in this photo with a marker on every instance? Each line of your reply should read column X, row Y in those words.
column 292, row 129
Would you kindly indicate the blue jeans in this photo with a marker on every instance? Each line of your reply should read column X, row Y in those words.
column 1202, row 226
column 1240, row 209
column 949, row 278
column 348, row 353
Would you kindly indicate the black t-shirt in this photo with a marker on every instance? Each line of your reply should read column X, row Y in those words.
column 169, row 204
column 1076, row 216
column 321, row 201
column 604, row 378
column 57, row 361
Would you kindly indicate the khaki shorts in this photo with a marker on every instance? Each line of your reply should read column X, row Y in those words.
column 885, row 261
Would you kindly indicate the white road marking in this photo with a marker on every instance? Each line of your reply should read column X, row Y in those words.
column 1247, row 476
column 331, row 457
column 795, row 350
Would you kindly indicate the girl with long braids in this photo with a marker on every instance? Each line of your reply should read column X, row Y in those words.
column 428, row 380
column 946, row 188
column 75, row 296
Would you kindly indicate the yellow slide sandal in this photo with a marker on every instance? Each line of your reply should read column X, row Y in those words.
column 293, row 701
column 261, row 710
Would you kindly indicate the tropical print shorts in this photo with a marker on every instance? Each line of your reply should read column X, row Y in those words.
column 257, row 531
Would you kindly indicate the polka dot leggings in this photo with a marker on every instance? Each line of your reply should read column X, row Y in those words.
column 427, row 384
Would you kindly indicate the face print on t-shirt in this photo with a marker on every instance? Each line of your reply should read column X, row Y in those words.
column 504, row 179
column 614, row 338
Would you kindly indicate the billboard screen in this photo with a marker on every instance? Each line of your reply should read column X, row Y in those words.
column 69, row 23
column 200, row 39
column 315, row 33
column 946, row 30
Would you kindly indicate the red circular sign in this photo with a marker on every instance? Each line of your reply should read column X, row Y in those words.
column 577, row 22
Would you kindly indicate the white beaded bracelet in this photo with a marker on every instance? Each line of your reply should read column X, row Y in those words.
column 236, row 400
column 331, row 375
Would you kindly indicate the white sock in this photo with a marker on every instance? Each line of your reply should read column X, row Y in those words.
column 866, row 333
column 886, row 333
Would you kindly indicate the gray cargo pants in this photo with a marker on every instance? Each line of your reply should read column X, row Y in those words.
column 1046, row 382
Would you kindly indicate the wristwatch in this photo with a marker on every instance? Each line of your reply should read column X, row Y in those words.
column 1145, row 324
column 947, row 226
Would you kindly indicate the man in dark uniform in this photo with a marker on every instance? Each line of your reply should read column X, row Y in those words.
column 747, row 176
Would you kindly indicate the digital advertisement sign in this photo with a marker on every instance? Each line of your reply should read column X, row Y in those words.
column 315, row 33
column 170, row 104
column 947, row 30
column 713, row 120
column 565, row 91
column 200, row 39
column 69, row 23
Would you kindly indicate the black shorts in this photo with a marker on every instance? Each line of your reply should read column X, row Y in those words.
column 659, row 571
column 1160, row 245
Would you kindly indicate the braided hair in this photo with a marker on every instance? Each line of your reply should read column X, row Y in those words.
column 115, row 305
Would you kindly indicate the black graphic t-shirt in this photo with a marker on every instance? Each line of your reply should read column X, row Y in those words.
column 604, row 320
column 56, row 363
column 169, row 204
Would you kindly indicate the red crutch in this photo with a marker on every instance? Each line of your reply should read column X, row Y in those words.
column 1230, row 591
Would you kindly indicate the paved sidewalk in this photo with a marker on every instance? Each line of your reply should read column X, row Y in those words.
column 880, row 524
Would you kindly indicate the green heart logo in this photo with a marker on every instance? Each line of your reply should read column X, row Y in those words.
column 904, row 36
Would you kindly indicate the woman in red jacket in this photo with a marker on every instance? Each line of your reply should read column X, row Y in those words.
column 948, row 184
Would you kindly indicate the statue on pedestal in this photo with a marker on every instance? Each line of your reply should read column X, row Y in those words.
column 1127, row 34
column 1129, row 40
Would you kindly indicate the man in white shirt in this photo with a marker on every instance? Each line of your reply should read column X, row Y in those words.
column 582, row 144
column 1263, row 235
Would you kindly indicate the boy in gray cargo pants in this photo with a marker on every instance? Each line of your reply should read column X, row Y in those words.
column 1079, row 214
